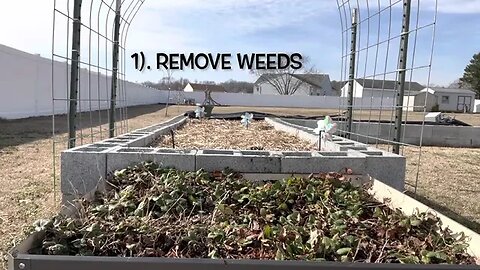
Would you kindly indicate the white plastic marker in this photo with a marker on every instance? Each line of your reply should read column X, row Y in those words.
column 200, row 112
column 246, row 119
column 325, row 130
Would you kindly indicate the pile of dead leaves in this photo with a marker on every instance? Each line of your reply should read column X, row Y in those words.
column 155, row 212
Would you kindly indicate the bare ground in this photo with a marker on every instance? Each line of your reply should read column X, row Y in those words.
column 27, row 190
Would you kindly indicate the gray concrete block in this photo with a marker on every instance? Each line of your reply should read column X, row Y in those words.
column 318, row 162
column 240, row 161
column 475, row 137
column 171, row 158
column 355, row 147
column 415, row 131
column 83, row 170
column 139, row 142
column 344, row 153
column 447, row 131
column 142, row 141
column 388, row 168
column 162, row 131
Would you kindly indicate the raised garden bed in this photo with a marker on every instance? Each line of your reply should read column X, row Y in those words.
column 155, row 212
column 133, row 211
column 228, row 134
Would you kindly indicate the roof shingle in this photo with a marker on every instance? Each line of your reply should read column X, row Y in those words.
column 452, row 90
column 388, row 85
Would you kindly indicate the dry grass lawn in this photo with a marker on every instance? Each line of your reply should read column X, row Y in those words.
column 447, row 180
column 26, row 165
column 448, row 177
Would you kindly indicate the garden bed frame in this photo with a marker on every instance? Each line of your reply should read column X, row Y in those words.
column 85, row 168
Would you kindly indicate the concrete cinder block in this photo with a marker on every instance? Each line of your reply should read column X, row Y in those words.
column 139, row 142
column 387, row 168
column 415, row 131
column 240, row 161
column 344, row 153
column 317, row 162
column 171, row 158
column 83, row 169
column 142, row 141
column 447, row 131
column 173, row 122
column 162, row 131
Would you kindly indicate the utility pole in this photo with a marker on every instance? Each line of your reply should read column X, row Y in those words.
column 402, row 73
column 73, row 97
column 351, row 77
column 116, row 45
column 169, row 77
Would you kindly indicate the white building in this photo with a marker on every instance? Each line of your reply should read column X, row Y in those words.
column 367, row 88
column 447, row 100
column 308, row 84
column 476, row 108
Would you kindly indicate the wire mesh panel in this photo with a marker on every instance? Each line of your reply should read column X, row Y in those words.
column 89, row 97
column 387, row 56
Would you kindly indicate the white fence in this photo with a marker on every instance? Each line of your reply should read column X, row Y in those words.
column 26, row 91
column 26, row 87
column 476, row 107
column 318, row 102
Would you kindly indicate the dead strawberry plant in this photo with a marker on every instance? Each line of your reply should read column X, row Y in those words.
column 156, row 212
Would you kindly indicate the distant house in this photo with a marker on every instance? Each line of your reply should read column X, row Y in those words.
column 198, row 87
column 367, row 88
column 337, row 86
column 447, row 99
column 310, row 84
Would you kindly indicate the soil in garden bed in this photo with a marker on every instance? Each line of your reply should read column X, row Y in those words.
column 155, row 212
column 227, row 134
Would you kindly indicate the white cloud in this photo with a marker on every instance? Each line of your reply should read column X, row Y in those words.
column 27, row 26
column 456, row 6
column 248, row 13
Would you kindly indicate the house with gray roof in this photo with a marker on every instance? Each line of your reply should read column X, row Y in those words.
column 368, row 88
column 294, row 84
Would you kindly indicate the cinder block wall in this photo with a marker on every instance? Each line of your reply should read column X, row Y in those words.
column 85, row 168
column 442, row 136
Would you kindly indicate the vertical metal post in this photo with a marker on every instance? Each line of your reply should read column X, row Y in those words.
column 320, row 140
column 168, row 100
column 402, row 72
column 72, row 113
column 116, row 45
column 351, row 77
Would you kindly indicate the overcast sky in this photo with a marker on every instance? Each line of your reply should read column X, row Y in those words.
column 311, row 27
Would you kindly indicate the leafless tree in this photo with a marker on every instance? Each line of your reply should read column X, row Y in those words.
column 284, row 80
column 168, row 78
column 458, row 83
